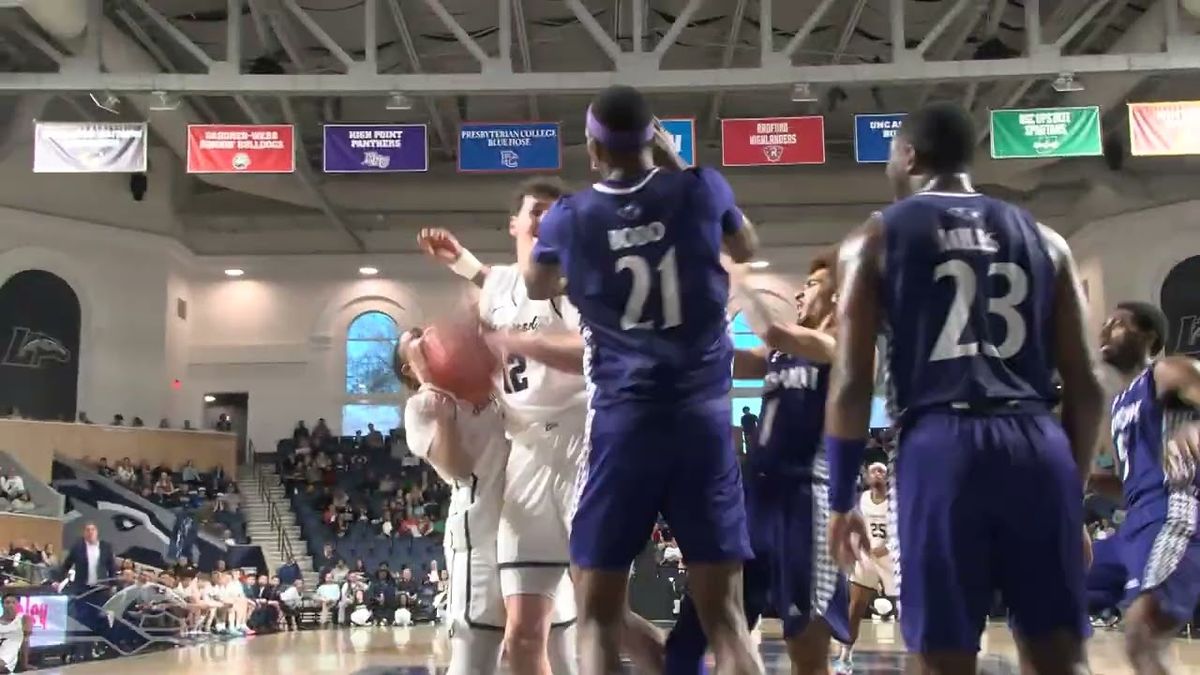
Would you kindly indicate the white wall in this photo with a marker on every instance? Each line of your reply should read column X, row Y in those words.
column 1128, row 256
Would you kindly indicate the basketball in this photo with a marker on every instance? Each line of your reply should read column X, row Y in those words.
column 459, row 360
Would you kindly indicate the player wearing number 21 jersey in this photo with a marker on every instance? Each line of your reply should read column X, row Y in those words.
column 640, row 252
column 981, row 306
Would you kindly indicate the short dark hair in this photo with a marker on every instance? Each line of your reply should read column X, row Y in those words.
column 541, row 187
column 1148, row 318
column 943, row 137
column 825, row 260
column 621, row 108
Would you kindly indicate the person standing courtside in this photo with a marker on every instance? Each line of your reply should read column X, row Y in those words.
column 641, row 254
column 982, row 306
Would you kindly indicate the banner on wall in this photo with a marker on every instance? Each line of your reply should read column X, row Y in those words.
column 89, row 147
column 1046, row 132
column 241, row 148
column 683, row 132
column 376, row 148
column 768, row 141
column 39, row 345
column 512, row 147
column 1181, row 303
column 1164, row 129
column 47, row 618
column 873, row 136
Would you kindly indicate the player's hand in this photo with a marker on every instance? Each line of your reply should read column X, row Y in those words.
column 438, row 243
column 1087, row 549
column 879, row 551
column 436, row 406
column 663, row 149
column 848, row 539
column 1182, row 456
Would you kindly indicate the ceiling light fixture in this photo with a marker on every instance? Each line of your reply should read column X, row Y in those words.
column 368, row 271
column 234, row 272
column 759, row 264
column 802, row 93
column 1066, row 82
column 209, row 398
column 162, row 101
column 398, row 101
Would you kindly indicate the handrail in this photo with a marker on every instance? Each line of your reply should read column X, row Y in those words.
column 282, row 541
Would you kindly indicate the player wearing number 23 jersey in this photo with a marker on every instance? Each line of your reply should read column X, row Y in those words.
column 977, row 300
column 641, row 257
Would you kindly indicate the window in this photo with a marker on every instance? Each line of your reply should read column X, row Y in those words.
column 356, row 417
column 744, row 338
column 370, row 343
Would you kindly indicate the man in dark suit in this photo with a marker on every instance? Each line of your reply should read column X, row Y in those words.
column 91, row 559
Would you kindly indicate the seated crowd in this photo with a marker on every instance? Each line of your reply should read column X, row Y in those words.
column 13, row 495
column 25, row 561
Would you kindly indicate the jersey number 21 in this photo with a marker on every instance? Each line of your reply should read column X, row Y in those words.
column 667, row 284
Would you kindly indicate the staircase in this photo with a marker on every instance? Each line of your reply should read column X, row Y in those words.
column 261, row 489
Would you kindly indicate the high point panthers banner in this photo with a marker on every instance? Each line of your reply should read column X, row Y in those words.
column 39, row 345
column 89, row 147
column 375, row 148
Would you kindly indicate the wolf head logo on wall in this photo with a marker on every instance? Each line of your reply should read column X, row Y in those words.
column 32, row 349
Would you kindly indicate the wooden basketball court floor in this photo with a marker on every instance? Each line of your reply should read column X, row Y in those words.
column 423, row 650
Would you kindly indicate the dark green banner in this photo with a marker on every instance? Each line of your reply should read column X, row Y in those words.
column 1046, row 132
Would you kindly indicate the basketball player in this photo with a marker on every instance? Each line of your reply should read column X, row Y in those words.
column 640, row 254
column 1156, row 434
column 869, row 580
column 14, row 637
column 465, row 444
column 543, row 391
column 981, row 305
column 787, row 502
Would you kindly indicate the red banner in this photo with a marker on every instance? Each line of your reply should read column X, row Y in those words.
column 241, row 148
column 1171, row 128
column 773, row 140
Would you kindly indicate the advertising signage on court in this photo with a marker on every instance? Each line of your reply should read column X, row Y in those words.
column 773, row 140
column 89, row 147
column 510, row 147
column 241, row 148
column 683, row 132
column 375, row 148
column 873, row 136
column 1046, row 132
column 1163, row 129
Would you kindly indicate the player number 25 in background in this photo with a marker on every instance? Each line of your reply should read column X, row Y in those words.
column 948, row 346
column 639, row 292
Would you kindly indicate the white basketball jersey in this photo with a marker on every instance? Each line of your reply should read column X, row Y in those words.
column 11, row 636
column 532, row 392
column 876, row 517
column 474, row 515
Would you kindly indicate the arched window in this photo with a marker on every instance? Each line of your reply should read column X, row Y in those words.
column 371, row 386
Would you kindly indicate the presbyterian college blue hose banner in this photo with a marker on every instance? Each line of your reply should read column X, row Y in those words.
column 509, row 147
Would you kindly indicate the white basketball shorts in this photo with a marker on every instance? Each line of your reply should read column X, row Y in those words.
column 878, row 577
column 539, row 501
column 474, row 600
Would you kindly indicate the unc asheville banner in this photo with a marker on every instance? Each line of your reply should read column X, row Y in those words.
column 683, row 132
column 873, row 137
column 89, row 147
column 376, row 148
column 509, row 147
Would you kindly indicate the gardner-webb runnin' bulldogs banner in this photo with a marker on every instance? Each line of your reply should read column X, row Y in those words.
column 89, row 147
column 241, row 148
column 773, row 140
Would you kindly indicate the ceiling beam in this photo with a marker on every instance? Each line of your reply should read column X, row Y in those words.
column 370, row 35
column 896, row 30
column 595, row 30
column 174, row 33
column 160, row 57
column 810, row 24
column 1080, row 23
column 856, row 13
column 1098, row 28
column 941, row 26
column 647, row 79
column 731, row 41
column 457, row 31
column 319, row 33
column 414, row 60
column 39, row 43
column 233, row 34
column 766, row 31
column 681, row 22
column 526, row 58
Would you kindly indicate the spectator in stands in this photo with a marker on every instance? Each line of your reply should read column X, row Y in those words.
column 353, row 594
column 90, row 559
column 183, row 568
column 83, row 418
column 165, row 492
column 424, row 527
column 224, row 423
column 187, row 425
column 340, row 464
column 222, row 568
column 320, row 433
column 387, row 484
column 163, row 467
column 232, row 497
column 374, row 440
column 434, row 575
column 290, row 601
column 339, row 572
column 749, row 427
column 164, row 423
column 382, row 597
column 145, row 474
column 218, row 480
column 21, row 503
column 408, row 584
column 300, row 433
column 289, row 572
column 117, row 420
column 265, row 614
column 104, row 469
column 126, row 475
column 360, row 568
column 11, row 484
column 190, row 474
column 137, row 422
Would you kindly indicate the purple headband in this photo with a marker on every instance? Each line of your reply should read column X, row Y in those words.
column 617, row 140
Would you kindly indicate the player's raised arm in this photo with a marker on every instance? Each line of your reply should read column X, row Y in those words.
column 1083, row 398
column 1178, row 378
column 738, row 235
column 539, row 250
column 815, row 344
column 439, row 244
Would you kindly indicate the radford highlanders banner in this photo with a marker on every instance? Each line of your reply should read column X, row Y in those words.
column 683, row 131
column 89, row 147
column 376, row 148
column 241, row 148
column 509, row 147
column 1046, row 132
column 1162, row 129
column 873, row 137
column 773, row 140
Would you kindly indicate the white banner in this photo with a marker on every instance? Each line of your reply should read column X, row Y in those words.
column 90, row 147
